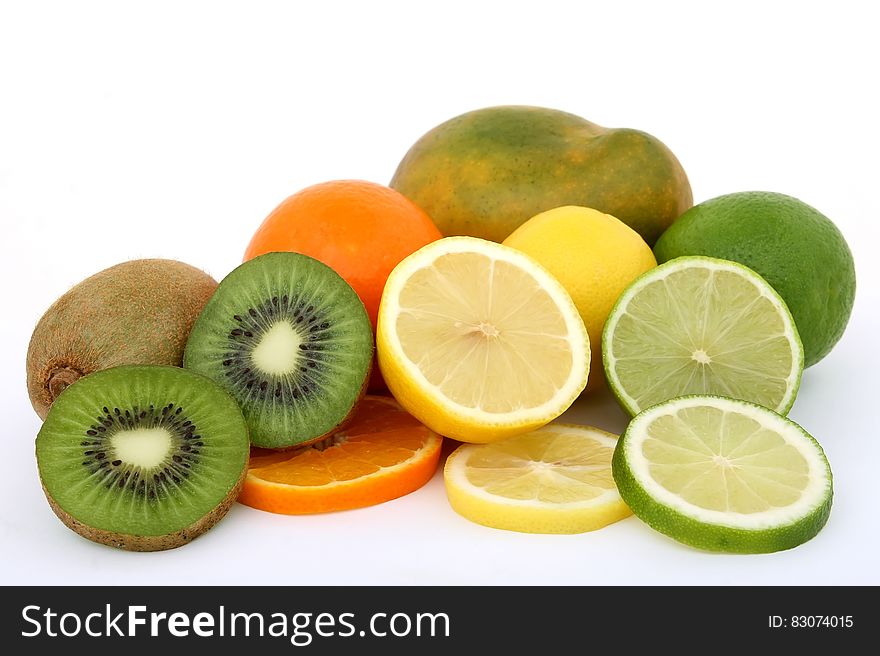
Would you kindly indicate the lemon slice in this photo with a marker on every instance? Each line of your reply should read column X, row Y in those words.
column 724, row 475
column 478, row 341
column 556, row 479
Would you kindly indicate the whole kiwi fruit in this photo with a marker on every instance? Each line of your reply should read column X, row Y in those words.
column 137, row 312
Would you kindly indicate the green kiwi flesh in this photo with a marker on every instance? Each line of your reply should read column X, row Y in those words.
column 142, row 457
column 291, row 341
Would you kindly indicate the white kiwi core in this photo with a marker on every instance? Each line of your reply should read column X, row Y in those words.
column 144, row 447
column 278, row 349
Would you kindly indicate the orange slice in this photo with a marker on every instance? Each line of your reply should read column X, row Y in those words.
column 383, row 454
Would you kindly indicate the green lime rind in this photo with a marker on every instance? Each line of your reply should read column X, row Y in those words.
column 711, row 536
column 626, row 401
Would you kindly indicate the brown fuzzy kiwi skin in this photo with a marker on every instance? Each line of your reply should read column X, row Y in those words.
column 137, row 312
column 150, row 542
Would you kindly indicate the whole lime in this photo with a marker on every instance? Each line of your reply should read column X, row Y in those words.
column 796, row 248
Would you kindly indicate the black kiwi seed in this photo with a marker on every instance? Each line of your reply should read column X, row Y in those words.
column 121, row 474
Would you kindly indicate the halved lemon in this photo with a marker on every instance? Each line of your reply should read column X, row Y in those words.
column 478, row 341
column 556, row 479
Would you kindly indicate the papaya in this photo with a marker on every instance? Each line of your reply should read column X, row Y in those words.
column 486, row 172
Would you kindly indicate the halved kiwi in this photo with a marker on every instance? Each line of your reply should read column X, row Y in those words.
column 291, row 341
column 142, row 457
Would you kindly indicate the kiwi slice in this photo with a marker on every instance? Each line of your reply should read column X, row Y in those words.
column 291, row 341
column 142, row 457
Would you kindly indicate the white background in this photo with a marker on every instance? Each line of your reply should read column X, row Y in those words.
column 171, row 129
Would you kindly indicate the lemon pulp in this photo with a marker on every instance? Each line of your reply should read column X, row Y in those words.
column 478, row 341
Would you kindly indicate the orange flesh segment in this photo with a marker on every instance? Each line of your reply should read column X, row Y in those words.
column 382, row 454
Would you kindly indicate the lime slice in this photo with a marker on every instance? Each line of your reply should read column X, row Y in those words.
column 724, row 475
column 556, row 479
column 697, row 325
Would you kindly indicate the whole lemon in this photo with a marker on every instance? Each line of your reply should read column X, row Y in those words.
column 595, row 257
column 794, row 247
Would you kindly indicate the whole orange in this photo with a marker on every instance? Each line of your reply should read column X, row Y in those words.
column 360, row 229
